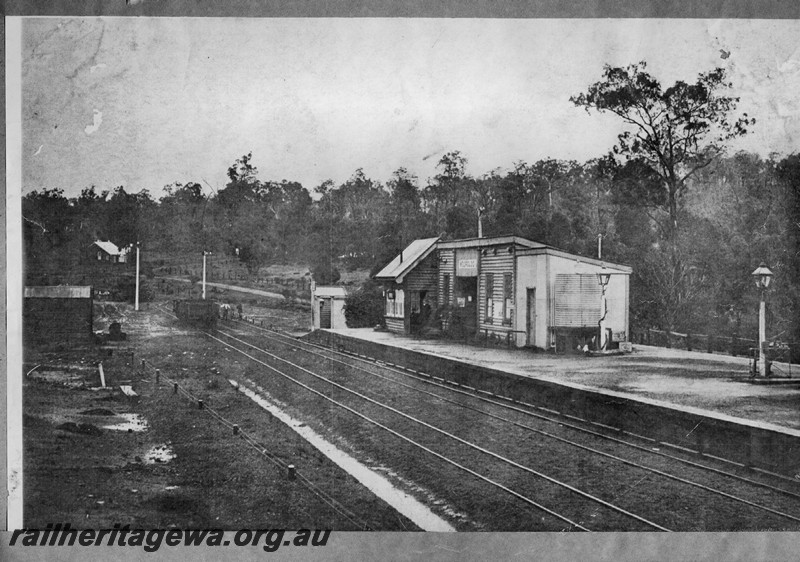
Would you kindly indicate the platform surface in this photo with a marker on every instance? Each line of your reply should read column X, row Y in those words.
column 713, row 383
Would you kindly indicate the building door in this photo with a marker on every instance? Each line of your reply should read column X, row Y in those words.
column 324, row 314
column 467, row 303
column 531, row 320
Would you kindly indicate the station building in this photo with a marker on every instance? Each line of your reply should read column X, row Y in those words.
column 509, row 289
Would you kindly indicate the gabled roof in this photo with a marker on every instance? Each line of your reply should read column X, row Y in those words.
column 59, row 292
column 414, row 253
column 491, row 241
column 108, row 247
column 619, row 268
column 330, row 291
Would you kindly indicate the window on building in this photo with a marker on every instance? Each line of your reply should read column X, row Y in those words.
column 395, row 303
column 446, row 292
column 508, row 298
column 489, row 297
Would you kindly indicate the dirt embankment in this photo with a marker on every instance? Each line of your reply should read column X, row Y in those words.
column 96, row 457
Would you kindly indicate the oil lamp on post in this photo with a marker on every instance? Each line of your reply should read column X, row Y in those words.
column 763, row 276
column 603, row 277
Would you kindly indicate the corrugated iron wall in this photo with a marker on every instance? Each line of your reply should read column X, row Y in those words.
column 577, row 301
column 447, row 271
column 498, row 261
column 396, row 325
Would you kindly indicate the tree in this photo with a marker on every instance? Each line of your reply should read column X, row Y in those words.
column 242, row 170
column 671, row 134
column 788, row 171
column 364, row 307
column 675, row 131
column 402, row 218
column 325, row 273
column 450, row 188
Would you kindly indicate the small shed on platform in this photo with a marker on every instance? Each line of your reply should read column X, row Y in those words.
column 327, row 307
column 57, row 315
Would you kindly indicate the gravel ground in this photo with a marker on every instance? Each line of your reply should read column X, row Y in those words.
column 185, row 469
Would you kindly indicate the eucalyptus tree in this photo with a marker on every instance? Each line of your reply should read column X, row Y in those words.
column 670, row 134
column 675, row 131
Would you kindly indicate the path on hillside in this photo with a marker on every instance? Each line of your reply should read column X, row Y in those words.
column 231, row 288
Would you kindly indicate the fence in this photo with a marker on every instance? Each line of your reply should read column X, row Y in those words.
column 731, row 345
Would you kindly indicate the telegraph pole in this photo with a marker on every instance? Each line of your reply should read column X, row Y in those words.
column 204, row 273
column 600, row 246
column 136, row 302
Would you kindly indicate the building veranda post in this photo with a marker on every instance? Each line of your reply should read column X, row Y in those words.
column 509, row 289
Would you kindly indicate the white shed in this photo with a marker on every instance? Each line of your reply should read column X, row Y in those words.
column 327, row 307
column 563, row 301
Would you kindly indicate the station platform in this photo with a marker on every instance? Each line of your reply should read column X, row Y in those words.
column 718, row 386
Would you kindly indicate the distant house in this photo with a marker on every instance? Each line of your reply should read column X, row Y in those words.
column 327, row 307
column 106, row 251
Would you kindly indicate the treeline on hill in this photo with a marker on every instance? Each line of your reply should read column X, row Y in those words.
column 692, row 222
column 737, row 212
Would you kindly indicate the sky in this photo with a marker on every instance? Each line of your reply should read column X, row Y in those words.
column 145, row 102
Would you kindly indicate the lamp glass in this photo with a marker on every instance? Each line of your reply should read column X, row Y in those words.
column 763, row 276
column 604, row 278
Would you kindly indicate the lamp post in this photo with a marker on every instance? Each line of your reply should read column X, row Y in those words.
column 603, row 277
column 763, row 276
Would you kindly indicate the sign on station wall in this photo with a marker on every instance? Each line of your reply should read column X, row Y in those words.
column 467, row 263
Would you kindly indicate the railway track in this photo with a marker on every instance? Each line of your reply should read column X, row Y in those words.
column 348, row 384
column 535, row 411
column 776, row 515
column 431, row 448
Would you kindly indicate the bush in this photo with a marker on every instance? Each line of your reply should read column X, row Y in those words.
column 364, row 307
column 126, row 289
column 325, row 275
